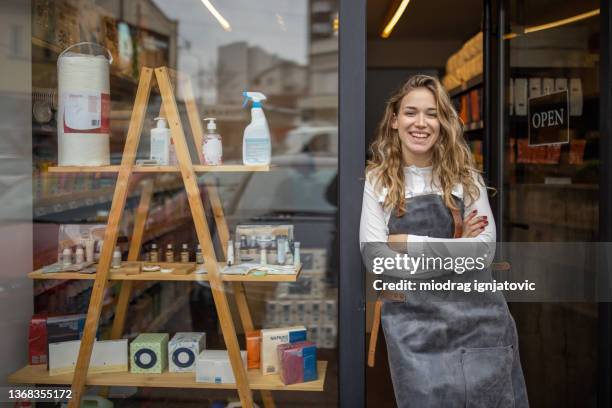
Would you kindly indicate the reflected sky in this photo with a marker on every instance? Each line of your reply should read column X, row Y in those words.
column 278, row 26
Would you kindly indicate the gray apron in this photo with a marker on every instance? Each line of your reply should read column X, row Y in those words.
column 450, row 349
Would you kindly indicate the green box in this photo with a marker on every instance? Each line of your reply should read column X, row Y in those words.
column 149, row 353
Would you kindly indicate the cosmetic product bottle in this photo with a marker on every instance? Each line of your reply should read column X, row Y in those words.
column 169, row 253
column 281, row 250
column 296, row 253
column 89, row 249
column 212, row 148
column 116, row 262
column 256, row 144
column 230, row 252
column 79, row 255
column 185, row 254
column 154, row 254
column 98, row 250
column 160, row 142
column 237, row 259
column 199, row 255
column 67, row 257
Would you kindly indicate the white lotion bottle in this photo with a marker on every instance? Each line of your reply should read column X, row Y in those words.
column 212, row 147
column 161, row 142
column 256, row 144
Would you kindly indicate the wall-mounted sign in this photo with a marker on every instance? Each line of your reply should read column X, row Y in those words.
column 548, row 117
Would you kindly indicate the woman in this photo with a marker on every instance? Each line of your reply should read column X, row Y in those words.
column 422, row 192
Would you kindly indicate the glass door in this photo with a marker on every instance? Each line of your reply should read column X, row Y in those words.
column 551, row 176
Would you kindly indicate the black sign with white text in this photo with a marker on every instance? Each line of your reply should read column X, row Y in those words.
column 549, row 119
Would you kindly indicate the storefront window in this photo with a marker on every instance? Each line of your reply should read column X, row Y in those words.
column 551, row 180
column 88, row 60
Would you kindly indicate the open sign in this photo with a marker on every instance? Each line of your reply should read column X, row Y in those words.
column 548, row 119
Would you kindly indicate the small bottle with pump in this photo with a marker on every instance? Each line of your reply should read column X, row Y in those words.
column 185, row 254
column 199, row 255
column 169, row 253
column 212, row 148
column 161, row 142
column 154, row 254
column 256, row 144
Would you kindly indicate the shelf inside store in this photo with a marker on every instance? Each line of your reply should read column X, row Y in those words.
column 118, row 275
column 466, row 86
column 470, row 127
column 161, row 169
column 38, row 374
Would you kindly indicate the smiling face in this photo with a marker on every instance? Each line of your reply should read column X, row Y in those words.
column 418, row 126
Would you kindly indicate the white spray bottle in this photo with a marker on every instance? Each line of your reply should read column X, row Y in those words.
column 256, row 144
column 160, row 142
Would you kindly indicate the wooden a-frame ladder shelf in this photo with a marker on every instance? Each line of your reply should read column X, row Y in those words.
column 245, row 379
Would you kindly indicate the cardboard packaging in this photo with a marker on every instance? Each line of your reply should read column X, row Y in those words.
column 184, row 349
column 108, row 356
column 37, row 340
column 213, row 366
column 253, row 343
column 271, row 338
column 298, row 362
column 149, row 353
column 65, row 328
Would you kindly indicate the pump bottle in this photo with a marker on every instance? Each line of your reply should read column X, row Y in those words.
column 256, row 144
column 161, row 142
column 212, row 148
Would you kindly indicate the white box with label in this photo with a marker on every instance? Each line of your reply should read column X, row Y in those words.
column 213, row 366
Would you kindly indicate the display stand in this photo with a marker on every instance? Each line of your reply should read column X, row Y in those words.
column 245, row 381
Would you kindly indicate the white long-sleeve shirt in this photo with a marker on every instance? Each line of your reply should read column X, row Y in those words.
column 418, row 181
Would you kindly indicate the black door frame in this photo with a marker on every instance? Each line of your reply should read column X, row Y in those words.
column 351, row 117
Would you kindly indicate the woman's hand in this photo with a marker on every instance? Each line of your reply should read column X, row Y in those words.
column 398, row 242
column 473, row 225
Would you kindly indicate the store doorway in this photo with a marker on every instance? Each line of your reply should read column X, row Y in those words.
column 433, row 38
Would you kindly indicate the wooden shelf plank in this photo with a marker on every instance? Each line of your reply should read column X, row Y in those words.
column 117, row 275
column 38, row 374
column 160, row 169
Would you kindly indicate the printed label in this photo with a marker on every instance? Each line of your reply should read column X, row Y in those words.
column 257, row 150
column 86, row 112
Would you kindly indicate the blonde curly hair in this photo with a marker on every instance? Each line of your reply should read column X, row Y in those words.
column 452, row 161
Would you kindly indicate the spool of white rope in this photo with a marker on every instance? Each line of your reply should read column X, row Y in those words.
column 83, row 124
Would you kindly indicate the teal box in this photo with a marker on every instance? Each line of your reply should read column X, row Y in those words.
column 149, row 353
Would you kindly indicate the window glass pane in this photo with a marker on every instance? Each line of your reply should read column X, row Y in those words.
column 77, row 66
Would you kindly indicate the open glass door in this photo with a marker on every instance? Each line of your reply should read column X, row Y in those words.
column 551, row 176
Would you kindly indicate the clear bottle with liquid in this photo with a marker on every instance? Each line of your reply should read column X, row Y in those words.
column 116, row 261
column 199, row 255
column 169, row 253
column 212, row 147
column 154, row 253
column 185, row 254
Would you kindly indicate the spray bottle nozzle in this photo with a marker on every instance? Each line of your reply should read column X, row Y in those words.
column 256, row 97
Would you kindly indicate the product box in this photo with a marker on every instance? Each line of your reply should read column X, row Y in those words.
column 183, row 351
column 298, row 362
column 253, row 343
column 213, row 366
column 37, row 340
column 149, row 353
column 65, row 328
column 107, row 356
column 271, row 338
